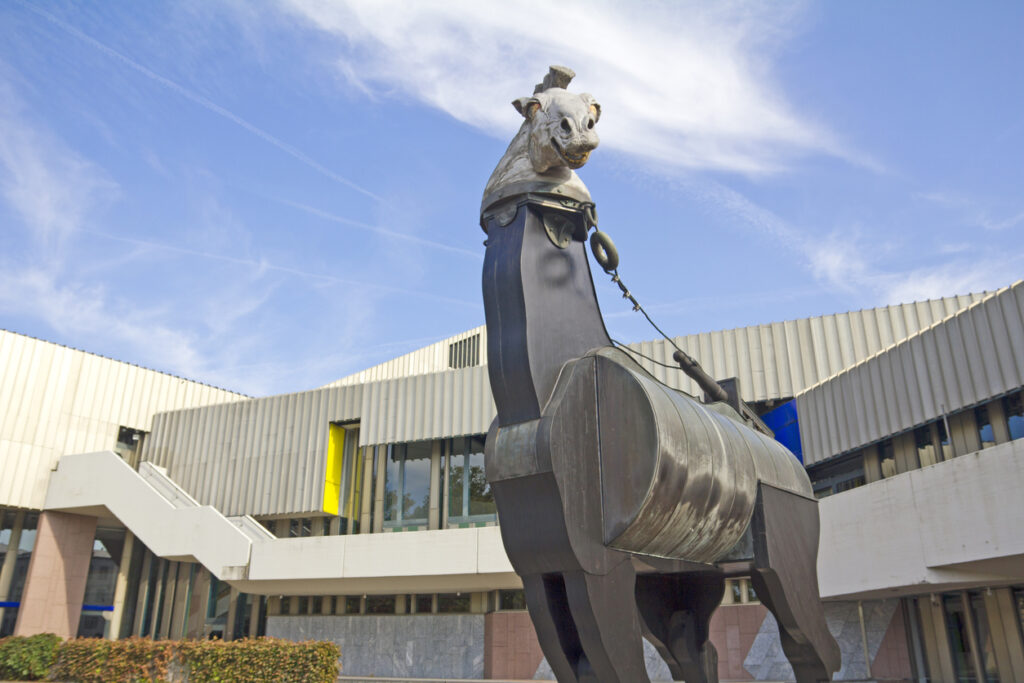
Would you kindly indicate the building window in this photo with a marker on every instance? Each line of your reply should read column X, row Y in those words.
column 217, row 602
column 453, row 603
column 407, row 483
column 380, row 604
column 843, row 475
column 944, row 442
column 469, row 494
column 981, row 630
column 464, row 353
column 887, row 458
column 300, row 527
column 423, row 604
column 926, row 453
column 128, row 442
column 1013, row 408
column 985, row 433
column 511, row 600
column 353, row 604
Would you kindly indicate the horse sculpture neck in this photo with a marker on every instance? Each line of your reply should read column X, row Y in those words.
column 540, row 306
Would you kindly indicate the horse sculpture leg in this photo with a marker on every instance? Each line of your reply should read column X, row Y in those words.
column 785, row 577
column 549, row 610
column 604, row 610
column 676, row 610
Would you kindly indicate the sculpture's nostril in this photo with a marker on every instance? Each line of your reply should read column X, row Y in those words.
column 566, row 126
column 590, row 123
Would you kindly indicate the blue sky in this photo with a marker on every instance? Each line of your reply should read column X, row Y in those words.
column 270, row 196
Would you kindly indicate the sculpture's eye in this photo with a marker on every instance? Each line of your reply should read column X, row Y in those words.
column 565, row 126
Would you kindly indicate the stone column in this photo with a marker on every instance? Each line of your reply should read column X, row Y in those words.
column 254, row 615
column 121, row 586
column 229, row 628
column 55, row 585
column 10, row 558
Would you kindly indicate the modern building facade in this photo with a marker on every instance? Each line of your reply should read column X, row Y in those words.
column 360, row 512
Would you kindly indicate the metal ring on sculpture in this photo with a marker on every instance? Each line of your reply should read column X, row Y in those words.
column 605, row 253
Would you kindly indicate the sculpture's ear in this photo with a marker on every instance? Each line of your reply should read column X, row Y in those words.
column 527, row 106
column 595, row 108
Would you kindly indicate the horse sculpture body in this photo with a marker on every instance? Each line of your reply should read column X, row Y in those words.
column 624, row 504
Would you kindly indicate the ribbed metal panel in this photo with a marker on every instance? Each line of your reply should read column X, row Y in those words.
column 970, row 357
column 779, row 360
column 429, row 359
column 434, row 406
column 56, row 400
column 264, row 456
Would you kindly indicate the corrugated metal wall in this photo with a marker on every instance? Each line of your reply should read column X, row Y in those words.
column 971, row 357
column 263, row 456
column 779, row 360
column 433, row 358
column 267, row 456
column 55, row 400
column 434, row 406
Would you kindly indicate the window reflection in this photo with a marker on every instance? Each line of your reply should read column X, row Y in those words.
column 1013, row 407
column 407, row 482
column 469, row 494
column 985, row 433
column 944, row 442
column 926, row 454
column 887, row 458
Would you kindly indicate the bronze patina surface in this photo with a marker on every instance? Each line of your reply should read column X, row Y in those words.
column 624, row 504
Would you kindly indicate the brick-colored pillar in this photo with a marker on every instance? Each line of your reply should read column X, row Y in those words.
column 55, row 584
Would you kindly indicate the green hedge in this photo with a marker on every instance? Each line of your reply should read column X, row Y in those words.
column 93, row 660
column 27, row 658
column 90, row 660
column 263, row 659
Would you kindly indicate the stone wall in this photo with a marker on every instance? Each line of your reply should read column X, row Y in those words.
column 406, row 646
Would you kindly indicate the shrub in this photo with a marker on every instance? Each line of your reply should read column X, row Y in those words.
column 92, row 660
column 259, row 660
column 27, row 658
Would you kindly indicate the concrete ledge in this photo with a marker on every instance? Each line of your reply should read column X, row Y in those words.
column 949, row 526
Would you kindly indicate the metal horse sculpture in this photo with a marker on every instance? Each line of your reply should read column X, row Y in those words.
column 624, row 503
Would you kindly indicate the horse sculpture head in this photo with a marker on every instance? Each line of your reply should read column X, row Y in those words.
column 556, row 138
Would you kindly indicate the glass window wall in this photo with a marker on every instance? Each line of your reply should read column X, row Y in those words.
column 959, row 641
column 20, row 557
column 887, row 458
column 1013, row 408
column 469, row 494
column 986, row 648
column 985, row 433
column 407, row 484
column 944, row 442
column 926, row 453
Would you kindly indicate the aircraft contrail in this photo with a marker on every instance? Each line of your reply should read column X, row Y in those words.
column 201, row 101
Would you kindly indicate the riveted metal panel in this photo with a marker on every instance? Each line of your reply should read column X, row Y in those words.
column 971, row 356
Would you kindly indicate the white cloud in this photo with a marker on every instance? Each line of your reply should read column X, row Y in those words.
column 848, row 261
column 84, row 312
column 49, row 186
column 682, row 83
